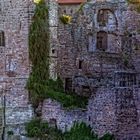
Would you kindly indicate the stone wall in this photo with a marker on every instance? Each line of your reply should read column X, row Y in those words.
column 68, row 9
column 14, row 67
column 53, row 110
column 53, row 32
column 101, row 111
column 75, row 55
column 127, row 116
column 78, row 54
column 113, row 110
column 92, row 71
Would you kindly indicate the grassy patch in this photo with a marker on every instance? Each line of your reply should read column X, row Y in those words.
column 79, row 131
column 54, row 90
column 38, row 129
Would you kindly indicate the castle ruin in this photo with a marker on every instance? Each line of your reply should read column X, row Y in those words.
column 97, row 56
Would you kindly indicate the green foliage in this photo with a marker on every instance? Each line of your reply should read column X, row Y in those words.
column 39, row 43
column 107, row 137
column 54, row 90
column 39, row 85
column 80, row 131
column 135, row 3
column 68, row 100
column 32, row 128
column 125, row 59
column 81, row 7
column 39, row 50
column 65, row 19
column 10, row 133
column 36, row 128
column 56, row 85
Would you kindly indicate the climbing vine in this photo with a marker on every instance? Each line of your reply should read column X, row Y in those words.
column 38, row 52
column 39, row 85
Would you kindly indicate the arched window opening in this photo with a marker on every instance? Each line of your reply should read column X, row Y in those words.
column 106, row 17
column 102, row 41
column 102, row 17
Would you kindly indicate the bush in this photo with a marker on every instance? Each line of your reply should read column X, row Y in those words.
column 54, row 90
column 107, row 136
column 56, row 85
column 37, row 129
column 68, row 100
column 10, row 133
column 80, row 131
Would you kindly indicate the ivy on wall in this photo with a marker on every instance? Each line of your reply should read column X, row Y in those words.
column 39, row 85
column 38, row 52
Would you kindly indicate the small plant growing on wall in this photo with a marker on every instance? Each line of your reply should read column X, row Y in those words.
column 136, row 3
column 102, row 23
column 10, row 133
column 37, row 1
column 137, row 47
column 65, row 19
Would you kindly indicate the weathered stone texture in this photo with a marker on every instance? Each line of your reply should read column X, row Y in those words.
column 64, row 118
column 114, row 110
column 14, row 66
column 97, row 55
column 109, row 74
column 101, row 111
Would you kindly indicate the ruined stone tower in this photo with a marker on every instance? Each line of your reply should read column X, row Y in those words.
column 15, row 109
column 98, row 56
column 89, row 57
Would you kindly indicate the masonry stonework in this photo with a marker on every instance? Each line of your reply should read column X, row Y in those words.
column 14, row 66
column 98, row 57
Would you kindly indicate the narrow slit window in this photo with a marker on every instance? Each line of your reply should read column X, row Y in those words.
column 80, row 64
column 102, row 41
column 68, row 84
column 2, row 39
